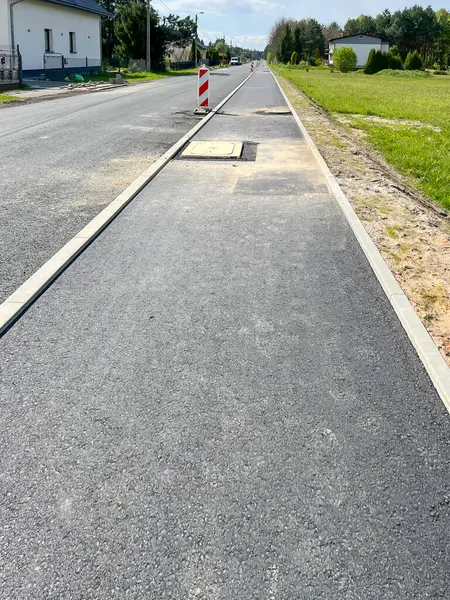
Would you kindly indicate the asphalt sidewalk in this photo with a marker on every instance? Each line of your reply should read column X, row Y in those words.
column 216, row 400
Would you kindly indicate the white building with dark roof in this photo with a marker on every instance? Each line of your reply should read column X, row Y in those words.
column 52, row 34
column 362, row 45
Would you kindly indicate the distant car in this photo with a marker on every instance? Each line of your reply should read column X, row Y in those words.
column 235, row 61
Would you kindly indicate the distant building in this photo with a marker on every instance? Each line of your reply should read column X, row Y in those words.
column 47, row 30
column 183, row 54
column 361, row 44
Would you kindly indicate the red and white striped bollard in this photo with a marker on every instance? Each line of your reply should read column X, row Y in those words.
column 203, row 87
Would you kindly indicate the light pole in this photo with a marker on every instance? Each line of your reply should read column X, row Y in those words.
column 195, row 42
column 149, row 60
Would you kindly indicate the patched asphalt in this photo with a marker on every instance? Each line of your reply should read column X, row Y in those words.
column 216, row 400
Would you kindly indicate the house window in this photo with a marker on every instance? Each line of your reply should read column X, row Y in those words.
column 72, row 42
column 48, row 40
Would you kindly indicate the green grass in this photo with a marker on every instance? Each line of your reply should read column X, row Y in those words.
column 420, row 153
column 393, row 231
column 7, row 98
column 403, row 74
column 137, row 77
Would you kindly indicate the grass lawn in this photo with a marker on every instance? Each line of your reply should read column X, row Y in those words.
column 6, row 98
column 138, row 77
column 406, row 119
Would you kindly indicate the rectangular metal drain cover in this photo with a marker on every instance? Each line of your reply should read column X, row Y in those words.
column 218, row 150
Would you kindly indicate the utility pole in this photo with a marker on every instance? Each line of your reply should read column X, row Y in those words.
column 149, row 60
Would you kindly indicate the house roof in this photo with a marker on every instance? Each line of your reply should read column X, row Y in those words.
column 86, row 5
column 371, row 35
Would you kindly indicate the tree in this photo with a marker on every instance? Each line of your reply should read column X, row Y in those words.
column 415, row 28
column 376, row 62
column 383, row 22
column 294, row 58
column 277, row 33
column 213, row 56
column 192, row 53
column 177, row 31
column 363, row 24
column 109, row 39
column 286, row 45
column 344, row 59
column 395, row 60
column 312, row 36
column 331, row 31
column 369, row 68
column 131, row 31
column 298, row 42
column 442, row 41
column 414, row 62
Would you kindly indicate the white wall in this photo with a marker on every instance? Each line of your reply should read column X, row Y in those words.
column 361, row 50
column 4, row 24
column 31, row 17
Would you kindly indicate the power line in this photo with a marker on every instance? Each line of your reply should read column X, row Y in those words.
column 164, row 5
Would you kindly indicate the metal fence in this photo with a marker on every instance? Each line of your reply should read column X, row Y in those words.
column 180, row 66
column 10, row 68
column 58, row 66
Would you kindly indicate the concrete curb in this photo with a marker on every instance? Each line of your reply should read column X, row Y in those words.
column 21, row 299
column 428, row 352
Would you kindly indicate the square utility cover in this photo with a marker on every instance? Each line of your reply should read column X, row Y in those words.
column 213, row 150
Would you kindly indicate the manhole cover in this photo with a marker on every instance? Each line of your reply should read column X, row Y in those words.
column 213, row 150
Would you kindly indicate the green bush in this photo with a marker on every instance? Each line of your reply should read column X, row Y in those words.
column 414, row 62
column 344, row 59
column 376, row 61
column 395, row 62
column 441, row 73
column 369, row 66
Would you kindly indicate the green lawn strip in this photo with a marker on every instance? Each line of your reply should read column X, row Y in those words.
column 7, row 98
column 418, row 152
column 137, row 77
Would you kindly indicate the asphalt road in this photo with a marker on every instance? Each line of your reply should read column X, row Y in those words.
column 63, row 160
column 216, row 400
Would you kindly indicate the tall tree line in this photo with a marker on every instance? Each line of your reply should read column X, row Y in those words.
column 124, row 33
column 415, row 28
column 303, row 37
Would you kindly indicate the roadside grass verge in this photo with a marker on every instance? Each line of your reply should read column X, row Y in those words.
column 411, row 119
column 4, row 98
column 136, row 77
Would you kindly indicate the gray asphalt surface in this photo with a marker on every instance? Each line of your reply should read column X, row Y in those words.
column 217, row 401
column 63, row 160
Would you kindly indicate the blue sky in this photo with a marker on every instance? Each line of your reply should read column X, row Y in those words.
column 248, row 21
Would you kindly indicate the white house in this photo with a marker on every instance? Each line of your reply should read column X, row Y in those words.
column 47, row 30
column 361, row 44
